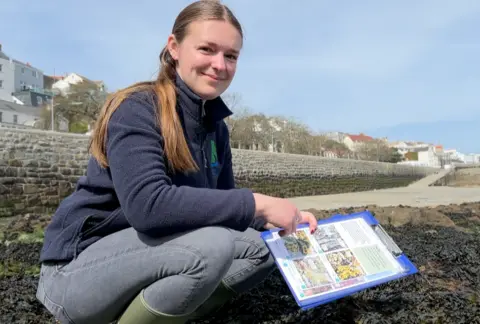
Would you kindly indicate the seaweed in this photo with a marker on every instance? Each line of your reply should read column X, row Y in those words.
column 446, row 289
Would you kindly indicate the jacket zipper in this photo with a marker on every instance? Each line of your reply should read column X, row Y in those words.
column 204, row 156
column 204, row 136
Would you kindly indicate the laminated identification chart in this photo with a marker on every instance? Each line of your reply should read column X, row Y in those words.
column 344, row 255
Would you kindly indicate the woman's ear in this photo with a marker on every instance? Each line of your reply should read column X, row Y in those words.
column 172, row 46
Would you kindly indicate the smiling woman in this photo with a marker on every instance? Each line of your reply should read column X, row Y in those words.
column 209, row 56
column 156, row 231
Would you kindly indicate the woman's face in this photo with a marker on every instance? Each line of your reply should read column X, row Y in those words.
column 207, row 56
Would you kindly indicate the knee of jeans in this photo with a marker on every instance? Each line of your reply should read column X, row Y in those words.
column 217, row 247
column 255, row 248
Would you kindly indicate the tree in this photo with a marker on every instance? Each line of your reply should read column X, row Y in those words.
column 378, row 150
column 316, row 144
column 46, row 118
column 237, row 123
column 263, row 132
column 340, row 149
column 81, row 104
column 395, row 156
column 294, row 136
column 283, row 134
column 388, row 154
column 367, row 150
column 299, row 138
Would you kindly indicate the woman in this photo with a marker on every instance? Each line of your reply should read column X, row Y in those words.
column 156, row 231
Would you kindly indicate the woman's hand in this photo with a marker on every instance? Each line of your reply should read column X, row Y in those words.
column 279, row 212
column 307, row 217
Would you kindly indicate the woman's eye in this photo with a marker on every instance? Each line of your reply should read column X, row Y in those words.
column 206, row 49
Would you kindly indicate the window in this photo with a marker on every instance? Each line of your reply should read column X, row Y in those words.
column 1, row 116
column 34, row 74
column 1, row 84
column 23, row 70
column 0, row 67
column 15, row 119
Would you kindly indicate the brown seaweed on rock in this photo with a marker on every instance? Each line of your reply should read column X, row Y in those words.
column 443, row 242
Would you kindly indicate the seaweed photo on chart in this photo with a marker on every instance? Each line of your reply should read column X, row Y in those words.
column 329, row 239
column 298, row 245
column 313, row 272
column 345, row 264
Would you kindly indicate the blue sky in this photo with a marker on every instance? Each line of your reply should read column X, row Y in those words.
column 402, row 69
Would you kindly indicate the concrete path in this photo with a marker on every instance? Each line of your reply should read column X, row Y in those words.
column 418, row 194
column 428, row 180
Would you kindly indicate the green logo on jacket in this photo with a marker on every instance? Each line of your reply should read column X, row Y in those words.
column 214, row 158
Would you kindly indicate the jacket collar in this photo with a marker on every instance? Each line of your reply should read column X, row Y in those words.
column 211, row 111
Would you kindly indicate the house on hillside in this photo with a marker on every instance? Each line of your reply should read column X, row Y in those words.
column 24, row 116
column 330, row 154
column 355, row 142
column 21, row 83
column 15, row 114
column 63, row 84
column 7, row 76
column 33, row 97
column 404, row 147
column 335, row 136
column 453, row 156
column 423, row 156
column 27, row 77
column 429, row 157
column 438, row 148
column 49, row 80
column 472, row 158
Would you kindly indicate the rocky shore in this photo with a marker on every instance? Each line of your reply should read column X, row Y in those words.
column 443, row 242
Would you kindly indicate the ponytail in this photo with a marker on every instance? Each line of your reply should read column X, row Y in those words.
column 175, row 145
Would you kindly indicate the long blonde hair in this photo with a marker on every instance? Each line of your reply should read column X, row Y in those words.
column 176, row 150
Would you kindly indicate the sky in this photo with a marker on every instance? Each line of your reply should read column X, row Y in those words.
column 406, row 70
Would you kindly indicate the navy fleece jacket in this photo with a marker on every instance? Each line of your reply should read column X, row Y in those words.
column 136, row 190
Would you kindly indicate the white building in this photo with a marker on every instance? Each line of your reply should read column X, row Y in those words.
column 452, row 155
column 356, row 142
column 20, row 78
column 335, row 136
column 404, row 147
column 428, row 157
column 472, row 158
column 7, row 76
column 16, row 115
column 63, row 85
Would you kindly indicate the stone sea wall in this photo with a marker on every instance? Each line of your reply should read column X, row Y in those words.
column 463, row 176
column 39, row 168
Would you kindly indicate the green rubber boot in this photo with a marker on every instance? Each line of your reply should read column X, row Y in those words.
column 138, row 312
column 217, row 299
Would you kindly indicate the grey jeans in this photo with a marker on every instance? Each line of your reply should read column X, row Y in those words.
column 178, row 273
